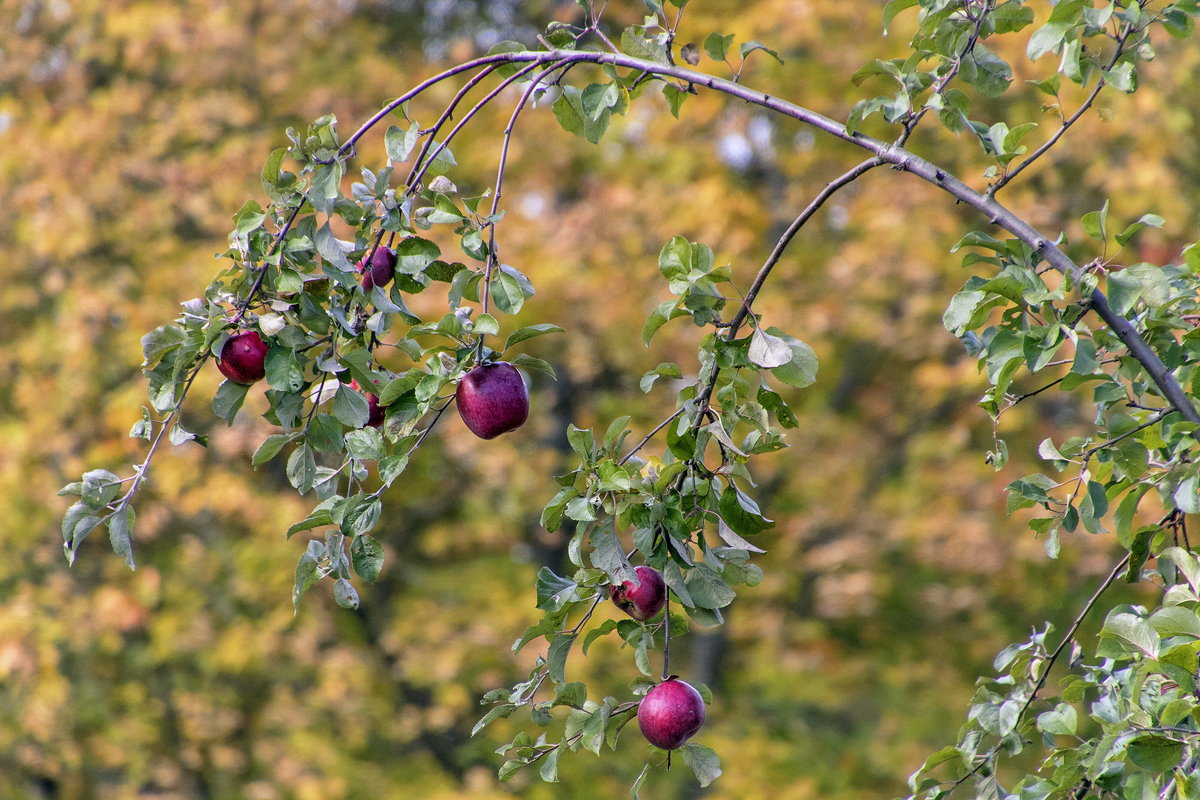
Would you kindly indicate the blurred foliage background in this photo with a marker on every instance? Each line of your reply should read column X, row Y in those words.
column 131, row 131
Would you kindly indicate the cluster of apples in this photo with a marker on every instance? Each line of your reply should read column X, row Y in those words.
column 492, row 399
column 673, row 711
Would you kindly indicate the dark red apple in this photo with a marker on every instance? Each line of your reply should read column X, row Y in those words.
column 644, row 599
column 492, row 399
column 243, row 357
column 381, row 270
column 670, row 714
column 378, row 412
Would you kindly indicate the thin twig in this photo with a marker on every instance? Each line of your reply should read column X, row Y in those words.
column 781, row 245
column 446, row 114
column 1067, row 123
column 650, row 435
column 1049, row 664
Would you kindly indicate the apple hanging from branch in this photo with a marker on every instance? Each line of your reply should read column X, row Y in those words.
column 381, row 269
column 243, row 357
column 644, row 599
column 492, row 399
column 670, row 714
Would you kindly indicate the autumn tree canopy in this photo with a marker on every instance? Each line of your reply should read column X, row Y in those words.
column 738, row 168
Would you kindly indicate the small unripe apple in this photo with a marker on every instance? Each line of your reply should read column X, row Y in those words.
column 381, row 270
column 492, row 399
column 378, row 412
column 670, row 714
column 243, row 357
column 642, row 600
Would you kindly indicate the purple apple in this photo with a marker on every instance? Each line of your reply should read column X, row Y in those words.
column 381, row 270
column 377, row 412
column 492, row 399
column 670, row 714
column 243, row 357
column 644, row 599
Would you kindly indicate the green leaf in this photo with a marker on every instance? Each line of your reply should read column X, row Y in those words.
column 556, row 657
column 365, row 444
column 1124, row 289
column 570, row 113
column 999, row 719
column 635, row 43
column 1047, row 38
column 717, row 45
column 399, row 144
column 120, row 533
column 307, row 571
column 741, row 513
column 988, row 73
column 581, row 441
column 501, row 711
column 1187, row 495
column 603, row 629
column 675, row 98
column 775, row 404
column 592, row 737
column 414, row 254
column 160, row 341
column 801, row 370
column 506, row 293
column 570, row 694
column 635, row 789
column 228, row 400
column 350, row 407
column 344, row 594
column 1122, row 77
column 319, row 517
column 600, row 98
column 270, row 448
column 707, row 588
column 768, row 350
column 664, row 312
column 529, row 332
column 894, row 7
column 249, row 218
column 609, row 555
column 1133, row 631
column 746, row 48
column 703, row 762
column 555, row 592
column 1061, row 720
column 1095, row 223
column 527, row 362
column 302, row 468
column 734, row 540
column 99, row 487
column 1155, row 753
column 325, row 185
column 1176, row 621
column 366, row 554
column 549, row 769
column 283, row 373
column 77, row 523
column 1147, row 220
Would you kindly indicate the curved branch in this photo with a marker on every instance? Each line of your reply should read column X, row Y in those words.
column 895, row 155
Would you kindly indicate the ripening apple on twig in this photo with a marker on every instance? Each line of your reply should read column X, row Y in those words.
column 644, row 599
column 381, row 270
column 670, row 714
column 243, row 357
column 492, row 399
